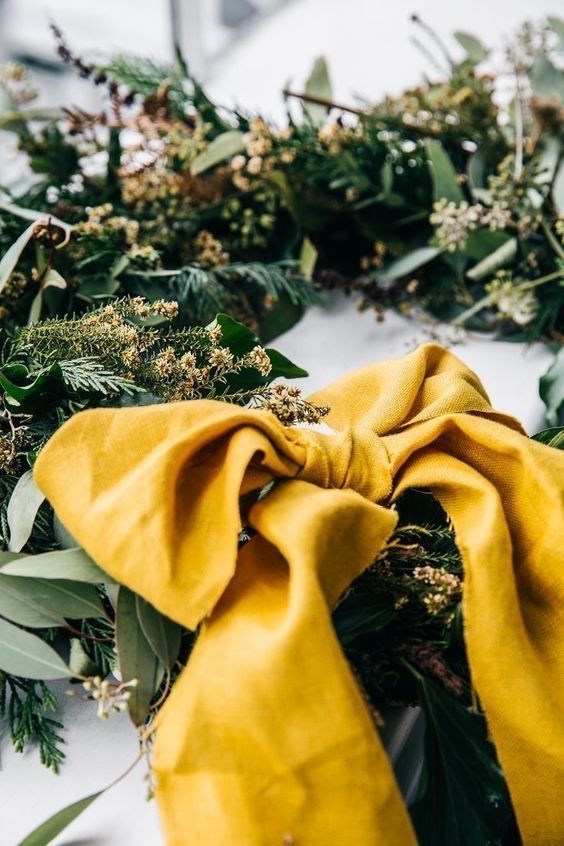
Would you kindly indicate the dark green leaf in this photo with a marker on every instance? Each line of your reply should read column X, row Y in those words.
column 24, row 654
column 366, row 616
column 553, row 437
column 463, row 799
column 27, row 608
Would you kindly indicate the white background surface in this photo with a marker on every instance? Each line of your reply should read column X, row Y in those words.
column 367, row 44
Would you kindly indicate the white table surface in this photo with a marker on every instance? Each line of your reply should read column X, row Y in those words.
column 328, row 342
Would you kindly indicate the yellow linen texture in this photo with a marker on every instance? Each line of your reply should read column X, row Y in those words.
column 266, row 739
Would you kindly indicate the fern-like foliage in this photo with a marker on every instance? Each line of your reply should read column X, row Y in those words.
column 89, row 376
column 24, row 704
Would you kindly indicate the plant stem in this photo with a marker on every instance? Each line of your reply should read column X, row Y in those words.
column 552, row 240
column 490, row 298
column 322, row 101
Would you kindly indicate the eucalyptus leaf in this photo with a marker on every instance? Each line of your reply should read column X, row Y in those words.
column 26, row 655
column 71, row 564
column 26, row 607
column 318, row 85
column 80, row 661
column 61, row 597
column 546, row 79
column 162, row 633
column 475, row 50
column 47, row 831
column 223, row 147
column 409, row 263
column 136, row 658
column 445, row 182
column 23, row 506
column 499, row 258
column 551, row 389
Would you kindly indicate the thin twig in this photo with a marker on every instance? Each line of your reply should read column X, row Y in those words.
column 322, row 101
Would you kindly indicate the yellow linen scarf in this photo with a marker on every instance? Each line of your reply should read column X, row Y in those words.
column 266, row 739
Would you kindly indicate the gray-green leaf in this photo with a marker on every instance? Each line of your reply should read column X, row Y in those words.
column 409, row 263
column 223, row 147
column 24, row 654
column 500, row 257
column 445, row 182
column 47, row 831
column 551, row 389
column 475, row 50
column 162, row 634
column 136, row 659
column 318, row 85
column 22, row 510
column 73, row 564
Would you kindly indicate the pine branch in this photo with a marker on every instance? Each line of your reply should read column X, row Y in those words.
column 24, row 704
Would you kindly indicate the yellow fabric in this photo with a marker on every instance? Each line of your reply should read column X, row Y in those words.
column 266, row 739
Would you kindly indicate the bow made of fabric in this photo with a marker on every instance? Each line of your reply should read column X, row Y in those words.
column 266, row 739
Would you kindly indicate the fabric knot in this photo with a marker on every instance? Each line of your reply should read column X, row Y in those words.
column 355, row 458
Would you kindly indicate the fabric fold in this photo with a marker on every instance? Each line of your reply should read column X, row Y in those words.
column 266, row 739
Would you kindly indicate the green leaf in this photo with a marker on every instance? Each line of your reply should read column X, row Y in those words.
column 12, row 255
column 71, row 564
column 136, row 658
column 318, row 85
column 463, row 799
column 25, row 655
column 25, row 607
column 80, row 662
column 445, row 182
column 47, row 831
column 557, row 26
column 25, row 502
column 553, row 437
column 499, row 258
column 546, row 79
column 558, row 189
column 162, row 633
column 61, row 598
column 36, row 216
column 223, row 147
column 475, row 50
column 409, row 263
column 363, row 616
column 308, row 258
column 282, row 367
column 551, row 389
column 28, row 396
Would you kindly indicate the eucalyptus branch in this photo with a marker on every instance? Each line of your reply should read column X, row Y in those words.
column 489, row 299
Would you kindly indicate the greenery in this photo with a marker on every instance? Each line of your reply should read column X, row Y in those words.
column 136, row 225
